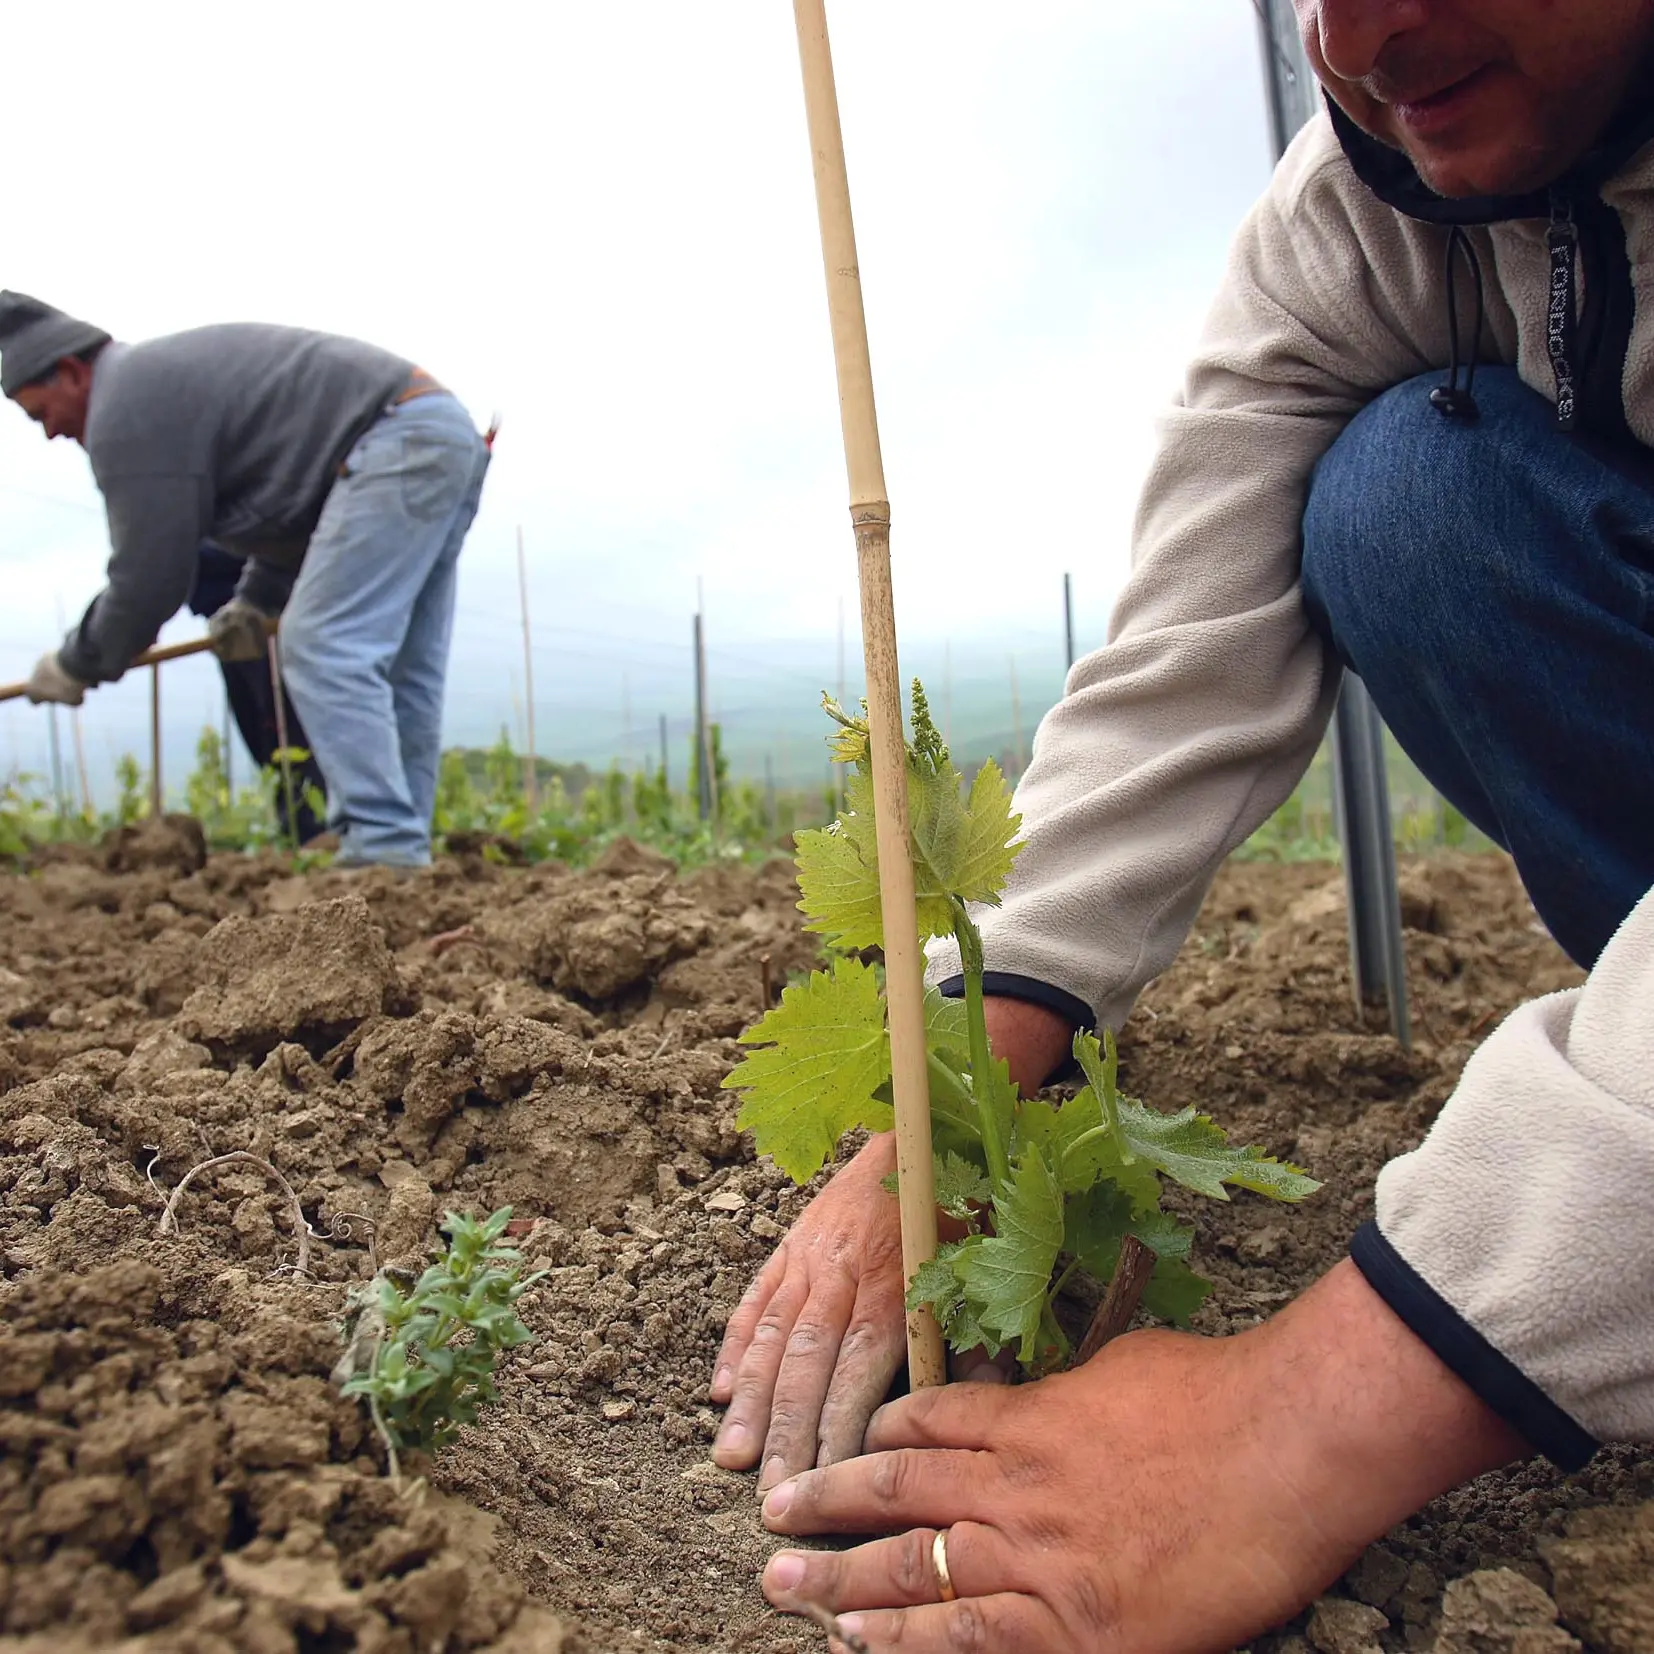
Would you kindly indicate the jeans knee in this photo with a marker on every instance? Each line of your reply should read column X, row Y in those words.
column 1397, row 509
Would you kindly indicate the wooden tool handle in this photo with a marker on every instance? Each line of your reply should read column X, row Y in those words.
column 150, row 657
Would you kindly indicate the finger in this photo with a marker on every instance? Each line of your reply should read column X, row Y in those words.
column 949, row 1415
column 815, row 1347
column 978, row 1367
column 883, row 1492
column 869, row 1358
column 890, row 1573
column 1008, row 1623
column 738, row 1332
column 747, row 1422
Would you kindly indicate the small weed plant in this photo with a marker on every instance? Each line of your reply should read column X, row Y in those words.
column 435, row 1347
column 1042, row 1190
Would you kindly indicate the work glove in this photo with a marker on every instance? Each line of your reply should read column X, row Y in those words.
column 238, row 631
column 49, row 682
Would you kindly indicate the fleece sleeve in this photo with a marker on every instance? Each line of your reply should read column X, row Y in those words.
column 156, row 524
column 1174, row 742
column 1518, row 1240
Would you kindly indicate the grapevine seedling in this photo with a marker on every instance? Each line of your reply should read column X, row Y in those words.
column 1041, row 1190
column 430, row 1360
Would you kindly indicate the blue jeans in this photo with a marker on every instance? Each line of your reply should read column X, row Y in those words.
column 1492, row 582
column 364, row 639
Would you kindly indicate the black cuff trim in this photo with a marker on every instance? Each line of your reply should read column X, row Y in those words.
column 1493, row 1376
column 1008, row 985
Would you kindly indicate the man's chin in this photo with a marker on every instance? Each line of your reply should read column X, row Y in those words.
column 1463, row 171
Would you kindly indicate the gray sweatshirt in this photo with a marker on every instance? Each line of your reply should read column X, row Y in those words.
column 233, row 433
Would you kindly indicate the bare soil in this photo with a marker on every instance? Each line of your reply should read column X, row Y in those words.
column 177, row 1472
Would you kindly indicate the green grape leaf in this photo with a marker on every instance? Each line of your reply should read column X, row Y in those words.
column 961, row 847
column 939, row 1287
column 1097, row 1221
column 1174, row 1291
column 961, row 1188
column 824, row 1054
column 1094, row 1225
column 1191, row 1150
column 838, row 873
column 987, row 853
column 1082, row 1153
column 946, row 1032
column 935, row 1284
column 1007, row 1275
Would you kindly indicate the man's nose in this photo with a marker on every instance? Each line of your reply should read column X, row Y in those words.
column 1351, row 34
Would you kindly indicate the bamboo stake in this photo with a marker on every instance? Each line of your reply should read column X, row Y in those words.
column 870, row 516
column 156, row 795
column 80, row 762
column 54, row 750
column 531, row 761
column 284, row 753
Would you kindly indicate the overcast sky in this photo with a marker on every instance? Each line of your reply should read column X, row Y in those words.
column 597, row 219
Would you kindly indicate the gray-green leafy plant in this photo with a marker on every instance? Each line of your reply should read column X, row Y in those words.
column 433, row 1361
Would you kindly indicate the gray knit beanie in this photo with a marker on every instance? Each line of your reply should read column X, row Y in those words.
column 34, row 338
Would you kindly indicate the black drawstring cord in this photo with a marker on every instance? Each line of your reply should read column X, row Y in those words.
column 1450, row 399
column 1561, row 314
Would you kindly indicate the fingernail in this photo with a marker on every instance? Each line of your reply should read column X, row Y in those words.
column 733, row 1438
column 775, row 1470
column 775, row 1505
column 723, row 1378
column 785, row 1572
column 851, row 1625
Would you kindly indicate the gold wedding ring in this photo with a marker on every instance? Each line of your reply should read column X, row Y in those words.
column 939, row 1561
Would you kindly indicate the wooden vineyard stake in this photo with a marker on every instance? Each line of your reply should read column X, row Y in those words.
column 531, row 759
column 870, row 517
column 157, row 797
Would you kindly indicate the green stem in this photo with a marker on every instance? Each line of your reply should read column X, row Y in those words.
column 1063, row 1280
column 976, row 1024
column 1052, row 1330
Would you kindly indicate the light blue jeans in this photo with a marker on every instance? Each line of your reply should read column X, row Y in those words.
column 364, row 638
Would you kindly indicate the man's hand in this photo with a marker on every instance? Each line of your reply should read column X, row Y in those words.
column 814, row 1344
column 49, row 682
column 1177, row 1495
column 238, row 631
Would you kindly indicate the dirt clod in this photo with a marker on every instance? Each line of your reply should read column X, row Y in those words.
column 1499, row 1611
column 313, row 974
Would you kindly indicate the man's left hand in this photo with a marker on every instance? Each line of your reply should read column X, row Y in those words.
column 49, row 682
column 238, row 631
column 1177, row 1495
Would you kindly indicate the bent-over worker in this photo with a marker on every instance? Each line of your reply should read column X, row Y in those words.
column 345, row 478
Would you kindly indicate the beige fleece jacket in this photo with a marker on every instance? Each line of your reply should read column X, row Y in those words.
column 1176, row 740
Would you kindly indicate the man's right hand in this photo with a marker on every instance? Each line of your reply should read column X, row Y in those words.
column 49, row 682
column 811, row 1349
column 238, row 631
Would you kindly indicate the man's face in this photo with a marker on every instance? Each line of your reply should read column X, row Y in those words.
column 58, row 404
column 1486, row 97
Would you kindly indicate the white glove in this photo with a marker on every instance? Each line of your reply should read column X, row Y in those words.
column 49, row 682
column 238, row 631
